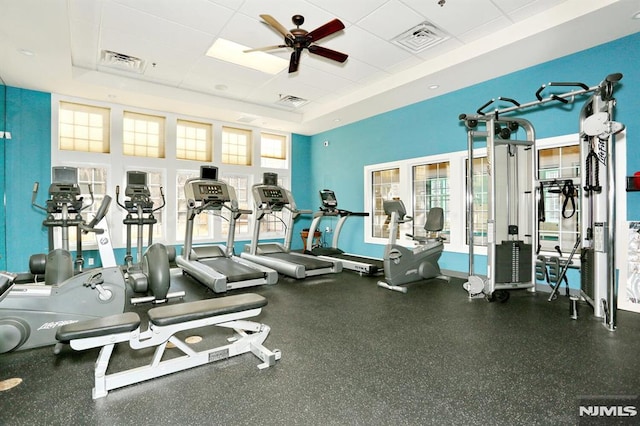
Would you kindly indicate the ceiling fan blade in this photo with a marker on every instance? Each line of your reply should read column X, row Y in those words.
column 264, row 49
column 295, row 60
column 277, row 26
column 325, row 30
column 328, row 53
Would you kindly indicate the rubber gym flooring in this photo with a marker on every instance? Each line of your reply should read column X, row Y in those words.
column 356, row 354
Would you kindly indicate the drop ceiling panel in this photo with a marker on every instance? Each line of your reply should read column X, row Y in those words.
column 144, row 29
column 378, row 22
column 349, row 10
column 283, row 10
column 377, row 76
column 353, row 69
column 200, row 15
column 368, row 48
column 456, row 17
column 485, row 29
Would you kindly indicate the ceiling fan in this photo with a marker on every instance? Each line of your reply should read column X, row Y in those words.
column 299, row 39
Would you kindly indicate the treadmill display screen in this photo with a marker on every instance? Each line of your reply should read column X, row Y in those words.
column 328, row 198
column 206, row 190
column 273, row 194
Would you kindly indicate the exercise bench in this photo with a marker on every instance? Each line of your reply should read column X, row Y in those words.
column 164, row 323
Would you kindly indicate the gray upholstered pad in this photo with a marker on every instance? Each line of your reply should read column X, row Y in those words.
column 113, row 324
column 174, row 314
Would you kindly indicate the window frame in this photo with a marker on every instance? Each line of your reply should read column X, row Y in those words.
column 117, row 164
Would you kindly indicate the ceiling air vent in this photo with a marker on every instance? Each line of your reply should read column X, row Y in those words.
column 291, row 101
column 420, row 37
column 122, row 62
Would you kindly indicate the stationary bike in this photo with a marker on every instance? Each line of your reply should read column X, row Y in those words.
column 140, row 212
column 403, row 265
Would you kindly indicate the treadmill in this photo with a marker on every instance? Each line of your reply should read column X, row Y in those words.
column 329, row 208
column 216, row 266
column 268, row 198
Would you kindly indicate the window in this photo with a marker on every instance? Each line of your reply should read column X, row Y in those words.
column 94, row 178
column 480, row 181
column 236, row 146
column 193, row 141
column 201, row 225
column 558, row 172
column 141, row 145
column 143, row 135
column 154, row 182
column 275, row 221
column 83, row 128
column 385, row 187
column 430, row 189
column 242, row 189
column 273, row 151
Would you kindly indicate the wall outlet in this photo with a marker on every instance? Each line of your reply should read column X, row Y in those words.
column 91, row 261
column 327, row 229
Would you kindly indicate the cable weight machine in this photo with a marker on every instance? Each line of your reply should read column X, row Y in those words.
column 598, row 219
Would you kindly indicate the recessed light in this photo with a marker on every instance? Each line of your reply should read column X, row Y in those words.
column 434, row 86
column 26, row 52
column 636, row 15
column 229, row 51
column 221, row 87
column 336, row 120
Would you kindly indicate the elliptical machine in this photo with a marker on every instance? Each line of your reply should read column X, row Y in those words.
column 31, row 313
column 403, row 265
column 63, row 207
column 140, row 212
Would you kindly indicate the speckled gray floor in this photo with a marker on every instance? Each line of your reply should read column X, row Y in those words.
column 356, row 354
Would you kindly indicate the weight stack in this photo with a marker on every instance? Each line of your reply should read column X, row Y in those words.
column 513, row 262
column 587, row 272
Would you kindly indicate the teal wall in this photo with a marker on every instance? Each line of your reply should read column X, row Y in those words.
column 3, row 240
column 425, row 128
column 432, row 127
column 27, row 160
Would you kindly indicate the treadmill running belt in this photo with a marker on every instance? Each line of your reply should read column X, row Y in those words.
column 234, row 271
column 309, row 263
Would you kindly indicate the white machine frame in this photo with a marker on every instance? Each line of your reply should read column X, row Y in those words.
column 164, row 323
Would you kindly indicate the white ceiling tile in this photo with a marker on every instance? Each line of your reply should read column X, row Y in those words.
column 283, row 10
column 143, row 29
column 535, row 7
column 176, row 34
column 379, row 22
column 456, row 16
column 440, row 49
column 201, row 15
column 351, row 10
column 508, row 6
column 368, row 48
column 353, row 69
column 484, row 29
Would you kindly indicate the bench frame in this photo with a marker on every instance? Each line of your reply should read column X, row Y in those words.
column 249, row 337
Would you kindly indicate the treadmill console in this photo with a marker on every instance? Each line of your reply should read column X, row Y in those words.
column 329, row 201
column 204, row 190
column 273, row 196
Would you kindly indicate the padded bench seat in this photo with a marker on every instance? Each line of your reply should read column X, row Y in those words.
column 174, row 314
column 230, row 312
column 121, row 323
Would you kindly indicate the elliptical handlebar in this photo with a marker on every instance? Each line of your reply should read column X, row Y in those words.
column 164, row 202
column 100, row 214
